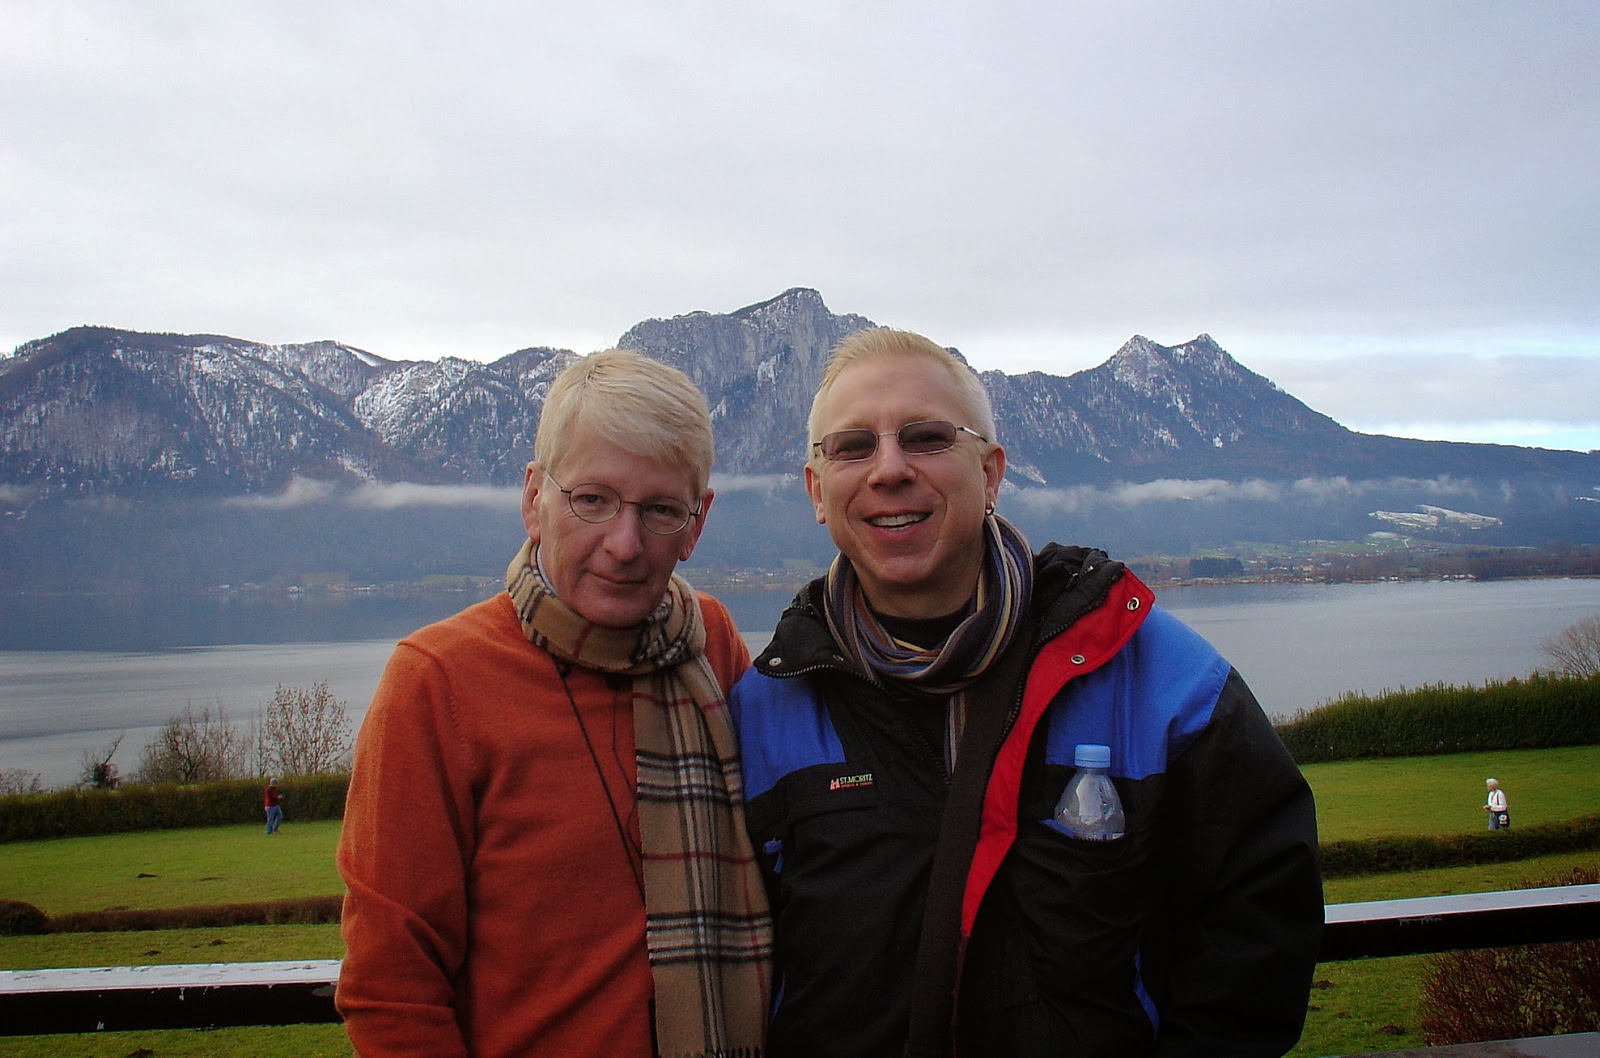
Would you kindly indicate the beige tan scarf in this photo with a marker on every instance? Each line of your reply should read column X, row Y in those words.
column 706, row 922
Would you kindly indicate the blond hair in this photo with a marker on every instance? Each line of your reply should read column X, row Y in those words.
column 875, row 342
column 639, row 405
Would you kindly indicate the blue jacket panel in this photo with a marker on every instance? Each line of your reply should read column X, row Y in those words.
column 1114, row 705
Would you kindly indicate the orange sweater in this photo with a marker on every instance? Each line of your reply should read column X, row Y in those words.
column 490, row 907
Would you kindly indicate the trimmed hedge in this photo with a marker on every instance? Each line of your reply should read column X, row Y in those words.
column 301, row 911
column 1539, row 712
column 18, row 919
column 81, row 813
column 1384, row 855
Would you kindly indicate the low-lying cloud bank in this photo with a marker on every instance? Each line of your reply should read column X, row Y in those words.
column 1079, row 499
column 767, row 484
column 302, row 492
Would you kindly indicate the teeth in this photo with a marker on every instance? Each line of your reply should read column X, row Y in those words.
column 894, row 521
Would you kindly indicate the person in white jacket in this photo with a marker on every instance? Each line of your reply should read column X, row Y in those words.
column 1499, row 818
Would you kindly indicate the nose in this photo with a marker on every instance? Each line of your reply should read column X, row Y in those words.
column 889, row 464
column 624, row 535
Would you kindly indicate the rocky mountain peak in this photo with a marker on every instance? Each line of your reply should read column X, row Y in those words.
column 1144, row 365
column 96, row 409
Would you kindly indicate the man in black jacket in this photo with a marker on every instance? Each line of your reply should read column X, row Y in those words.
column 909, row 731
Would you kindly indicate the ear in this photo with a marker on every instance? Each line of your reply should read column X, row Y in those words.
column 697, row 525
column 532, row 481
column 814, row 490
column 994, row 469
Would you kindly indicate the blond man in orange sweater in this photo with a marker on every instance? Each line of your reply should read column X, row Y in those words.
column 543, row 849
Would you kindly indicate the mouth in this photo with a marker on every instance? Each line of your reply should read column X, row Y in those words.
column 896, row 521
column 618, row 580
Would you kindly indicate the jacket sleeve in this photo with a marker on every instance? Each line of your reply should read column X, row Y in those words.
column 402, row 852
column 1230, row 961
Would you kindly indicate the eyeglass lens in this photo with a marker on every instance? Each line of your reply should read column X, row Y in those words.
column 594, row 502
column 915, row 438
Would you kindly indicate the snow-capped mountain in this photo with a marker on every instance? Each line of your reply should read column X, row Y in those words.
column 100, row 412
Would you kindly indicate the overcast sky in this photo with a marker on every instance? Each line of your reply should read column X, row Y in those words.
column 1390, row 209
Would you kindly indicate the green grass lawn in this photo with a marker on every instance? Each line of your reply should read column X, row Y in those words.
column 289, row 1041
column 1357, row 1007
column 1445, row 795
column 172, row 868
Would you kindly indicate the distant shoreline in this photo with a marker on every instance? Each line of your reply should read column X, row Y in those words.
column 714, row 580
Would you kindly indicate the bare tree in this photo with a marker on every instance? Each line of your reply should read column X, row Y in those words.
column 194, row 747
column 98, row 773
column 1576, row 648
column 304, row 732
column 20, row 781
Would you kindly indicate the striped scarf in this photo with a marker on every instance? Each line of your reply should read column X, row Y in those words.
column 706, row 922
column 1005, row 586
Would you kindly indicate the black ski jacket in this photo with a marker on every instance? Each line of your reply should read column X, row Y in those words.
column 921, row 913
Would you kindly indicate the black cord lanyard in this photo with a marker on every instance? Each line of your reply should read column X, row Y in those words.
column 633, row 853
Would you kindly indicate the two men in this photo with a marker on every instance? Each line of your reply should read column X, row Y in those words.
column 544, row 849
column 548, row 778
column 908, row 731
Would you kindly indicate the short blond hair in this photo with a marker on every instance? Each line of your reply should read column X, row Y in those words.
column 636, row 403
column 874, row 342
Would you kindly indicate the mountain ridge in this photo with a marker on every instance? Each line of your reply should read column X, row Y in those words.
column 1158, row 446
column 346, row 412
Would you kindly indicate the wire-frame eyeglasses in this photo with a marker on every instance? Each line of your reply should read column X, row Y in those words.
column 595, row 503
column 921, row 438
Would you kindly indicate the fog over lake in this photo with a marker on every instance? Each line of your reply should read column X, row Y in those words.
column 77, row 672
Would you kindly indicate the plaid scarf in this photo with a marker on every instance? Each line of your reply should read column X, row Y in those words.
column 706, row 923
column 1005, row 586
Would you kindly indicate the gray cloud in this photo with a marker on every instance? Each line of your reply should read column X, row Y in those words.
column 1402, row 391
column 1031, row 182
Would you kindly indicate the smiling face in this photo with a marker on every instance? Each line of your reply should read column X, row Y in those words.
column 912, row 525
column 612, row 573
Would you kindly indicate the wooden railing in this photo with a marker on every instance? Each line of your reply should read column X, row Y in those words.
column 41, row 1002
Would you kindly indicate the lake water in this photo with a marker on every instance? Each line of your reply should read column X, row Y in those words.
column 76, row 673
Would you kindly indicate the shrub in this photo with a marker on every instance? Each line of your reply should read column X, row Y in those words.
column 79, row 813
column 18, row 919
column 1536, row 713
column 1424, row 852
column 1512, row 993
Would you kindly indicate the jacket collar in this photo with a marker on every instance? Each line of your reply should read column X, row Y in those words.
column 1069, row 582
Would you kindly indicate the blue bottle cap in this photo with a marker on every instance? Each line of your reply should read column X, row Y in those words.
column 1091, row 755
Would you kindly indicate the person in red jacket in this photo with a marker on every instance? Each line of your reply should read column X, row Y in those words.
column 909, row 734
column 544, row 847
column 269, row 800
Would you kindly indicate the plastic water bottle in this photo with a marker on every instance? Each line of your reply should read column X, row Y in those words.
column 1089, row 807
